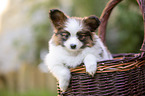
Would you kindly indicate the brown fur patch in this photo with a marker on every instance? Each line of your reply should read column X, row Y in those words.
column 56, row 39
column 86, row 37
column 60, row 36
column 91, row 22
column 58, row 18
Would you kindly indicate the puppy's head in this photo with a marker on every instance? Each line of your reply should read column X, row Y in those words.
column 71, row 32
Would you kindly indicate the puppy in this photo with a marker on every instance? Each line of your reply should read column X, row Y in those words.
column 74, row 41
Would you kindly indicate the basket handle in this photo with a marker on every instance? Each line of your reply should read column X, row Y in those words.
column 106, row 13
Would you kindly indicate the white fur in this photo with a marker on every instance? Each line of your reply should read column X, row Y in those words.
column 73, row 26
column 60, row 58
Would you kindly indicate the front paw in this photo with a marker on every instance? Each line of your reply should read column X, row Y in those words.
column 63, row 84
column 91, row 69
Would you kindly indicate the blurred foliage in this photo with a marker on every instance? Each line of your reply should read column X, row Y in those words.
column 129, row 25
column 42, row 30
column 84, row 8
column 41, row 35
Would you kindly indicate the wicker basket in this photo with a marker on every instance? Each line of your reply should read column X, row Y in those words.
column 122, row 76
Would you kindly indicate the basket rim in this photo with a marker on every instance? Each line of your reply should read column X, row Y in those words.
column 120, row 62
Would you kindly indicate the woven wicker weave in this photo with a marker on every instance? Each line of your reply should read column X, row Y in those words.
column 122, row 76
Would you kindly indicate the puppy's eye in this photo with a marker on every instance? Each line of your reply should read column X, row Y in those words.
column 82, row 36
column 65, row 36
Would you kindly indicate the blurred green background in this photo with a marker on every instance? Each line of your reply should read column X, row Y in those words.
column 25, row 30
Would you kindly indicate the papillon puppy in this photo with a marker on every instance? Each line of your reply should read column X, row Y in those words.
column 74, row 42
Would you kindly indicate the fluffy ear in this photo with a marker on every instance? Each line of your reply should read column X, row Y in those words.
column 57, row 17
column 92, row 23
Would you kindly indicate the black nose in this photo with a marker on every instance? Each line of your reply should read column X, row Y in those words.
column 73, row 46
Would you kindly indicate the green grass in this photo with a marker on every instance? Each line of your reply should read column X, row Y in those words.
column 28, row 93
